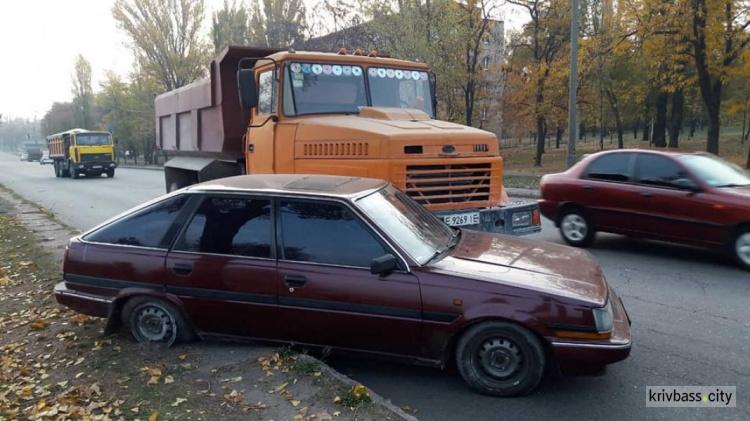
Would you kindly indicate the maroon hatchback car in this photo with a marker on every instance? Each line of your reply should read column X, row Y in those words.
column 683, row 197
column 348, row 263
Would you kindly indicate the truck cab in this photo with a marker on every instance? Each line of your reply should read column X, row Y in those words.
column 341, row 114
column 79, row 152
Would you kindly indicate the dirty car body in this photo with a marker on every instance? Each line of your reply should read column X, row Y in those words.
column 348, row 263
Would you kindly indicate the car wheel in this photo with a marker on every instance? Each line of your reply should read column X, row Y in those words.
column 575, row 228
column 500, row 359
column 110, row 173
column 741, row 247
column 152, row 320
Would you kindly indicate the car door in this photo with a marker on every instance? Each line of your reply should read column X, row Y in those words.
column 328, row 295
column 664, row 208
column 222, row 267
column 602, row 190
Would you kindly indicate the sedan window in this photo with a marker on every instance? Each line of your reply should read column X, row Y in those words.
column 145, row 228
column 610, row 167
column 655, row 170
column 234, row 226
column 326, row 233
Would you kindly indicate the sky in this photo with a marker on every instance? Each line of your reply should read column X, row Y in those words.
column 40, row 40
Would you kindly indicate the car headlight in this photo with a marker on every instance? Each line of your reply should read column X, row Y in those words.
column 604, row 317
column 521, row 219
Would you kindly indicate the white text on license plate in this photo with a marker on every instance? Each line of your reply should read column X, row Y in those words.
column 458, row 219
column 96, row 167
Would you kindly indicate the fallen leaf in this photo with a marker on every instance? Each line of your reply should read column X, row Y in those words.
column 296, row 403
column 337, row 399
column 298, row 417
column 337, row 413
column 287, row 394
column 168, row 380
column 153, row 380
column 95, row 389
column 78, row 361
column 303, row 411
column 320, row 417
column 154, row 372
column 154, row 416
column 38, row 324
column 4, row 281
column 178, row 401
column 281, row 386
column 78, row 376
column 182, row 357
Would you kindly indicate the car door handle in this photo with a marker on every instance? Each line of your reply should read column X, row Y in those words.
column 182, row 269
column 587, row 187
column 646, row 194
column 295, row 280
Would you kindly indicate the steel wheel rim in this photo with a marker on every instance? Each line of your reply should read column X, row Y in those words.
column 742, row 247
column 574, row 227
column 500, row 358
column 155, row 323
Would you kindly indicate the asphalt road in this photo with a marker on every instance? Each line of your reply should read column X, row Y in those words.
column 690, row 310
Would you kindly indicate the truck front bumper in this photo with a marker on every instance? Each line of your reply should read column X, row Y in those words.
column 514, row 219
column 95, row 167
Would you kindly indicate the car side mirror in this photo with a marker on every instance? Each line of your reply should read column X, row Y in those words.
column 687, row 184
column 384, row 265
column 247, row 89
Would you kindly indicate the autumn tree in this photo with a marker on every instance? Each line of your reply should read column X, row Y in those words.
column 277, row 23
column 83, row 96
column 59, row 118
column 165, row 37
column 229, row 25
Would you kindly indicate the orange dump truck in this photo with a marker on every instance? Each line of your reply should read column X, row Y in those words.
column 265, row 110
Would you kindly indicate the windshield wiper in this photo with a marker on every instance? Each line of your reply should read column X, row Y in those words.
column 451, row 243
column 733, row 185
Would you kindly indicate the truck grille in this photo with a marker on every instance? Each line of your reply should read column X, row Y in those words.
column 96, row 157
column 434, row 184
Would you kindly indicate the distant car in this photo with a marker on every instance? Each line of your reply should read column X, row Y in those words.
column 349, row 263
column 682, row 197
column 24, row 157
column 46, row 160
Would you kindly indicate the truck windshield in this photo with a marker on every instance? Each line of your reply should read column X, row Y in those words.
column 400, row 88
column 92, row 139
column 419, row 232
column 318, row 88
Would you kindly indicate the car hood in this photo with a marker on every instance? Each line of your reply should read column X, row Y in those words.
column 743, row 192
column 537, row 265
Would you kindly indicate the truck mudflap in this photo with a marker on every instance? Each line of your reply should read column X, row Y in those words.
column 516, row 218
column 183, row 171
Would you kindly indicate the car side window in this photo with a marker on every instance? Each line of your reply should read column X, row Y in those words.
column 326, row 233
column 658, row 171
column 610, row 167
column 145, row 228
column 232, row 226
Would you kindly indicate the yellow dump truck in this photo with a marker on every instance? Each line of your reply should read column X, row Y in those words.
column 264, row 111
column 82, row 152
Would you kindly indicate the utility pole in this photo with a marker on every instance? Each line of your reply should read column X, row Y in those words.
column 572, row 101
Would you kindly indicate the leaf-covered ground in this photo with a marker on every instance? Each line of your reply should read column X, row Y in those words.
column 56, row 365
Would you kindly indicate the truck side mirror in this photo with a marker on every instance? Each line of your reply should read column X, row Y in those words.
column 248, row 91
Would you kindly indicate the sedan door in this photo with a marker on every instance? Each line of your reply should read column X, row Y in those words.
column 223, row 267
column 328, row 295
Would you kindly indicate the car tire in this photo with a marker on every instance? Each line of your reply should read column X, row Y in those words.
column 576, row 228
column 500, row 359
column 152, row 320
column 111, row 173
column 740, row 247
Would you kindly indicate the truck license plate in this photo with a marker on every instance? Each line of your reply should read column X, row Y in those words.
column 97, row 167
column 459, row 219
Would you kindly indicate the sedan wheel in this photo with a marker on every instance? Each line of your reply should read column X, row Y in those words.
column 500, row 359
column 154, row 321
column 576, row 229
column 741, row 248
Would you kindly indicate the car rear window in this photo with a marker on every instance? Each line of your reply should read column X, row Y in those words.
column 610, row 167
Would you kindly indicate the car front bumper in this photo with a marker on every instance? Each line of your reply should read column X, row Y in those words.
column 616, row 348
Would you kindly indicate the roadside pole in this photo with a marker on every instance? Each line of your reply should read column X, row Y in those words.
column 572, row 101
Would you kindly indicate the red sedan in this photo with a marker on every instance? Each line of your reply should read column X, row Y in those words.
column 682, row 197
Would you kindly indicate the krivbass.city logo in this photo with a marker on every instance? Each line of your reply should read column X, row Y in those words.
column 691, row 396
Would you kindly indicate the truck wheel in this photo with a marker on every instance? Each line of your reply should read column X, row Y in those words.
column 65, row 169
column 110, row 172
column 500, row 359
column 575, row 227
column 56, row 167
column 74, row 173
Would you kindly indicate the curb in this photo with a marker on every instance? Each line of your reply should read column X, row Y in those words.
column 140, row 167
column 376, row 399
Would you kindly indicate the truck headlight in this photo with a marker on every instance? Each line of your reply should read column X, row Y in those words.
column 604, row 317
column 521, row 219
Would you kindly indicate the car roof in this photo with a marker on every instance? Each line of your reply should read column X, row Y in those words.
column 305, row 184
column 672, row 152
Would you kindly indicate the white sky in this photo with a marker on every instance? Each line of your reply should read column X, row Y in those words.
column 40, row 40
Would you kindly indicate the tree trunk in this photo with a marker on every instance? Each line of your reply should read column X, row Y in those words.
column 747, row 164
column 581, row 131
column 540, row 133
column 558, row 137
column 714, row 124
column 744, row 123
column 636, row 126
column 646, row 131
column 693, row 124
column 710, row 85
column 675, row 121
column 660, row 126
column 618, row 120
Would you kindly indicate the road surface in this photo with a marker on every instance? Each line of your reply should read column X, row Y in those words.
column 690, row 310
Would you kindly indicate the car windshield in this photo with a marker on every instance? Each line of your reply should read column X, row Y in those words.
column 414, row 228
column 400, row 88
column 318, row 88
column 715, row 171
column 92, row 139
